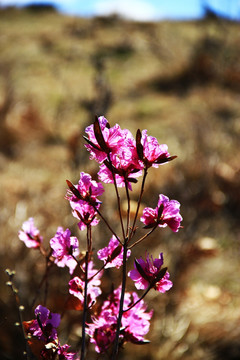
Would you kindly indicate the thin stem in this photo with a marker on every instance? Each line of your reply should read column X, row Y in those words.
column 142, row 238
column 27, row 351
column 130, row 307
column 128, row 208
column 124, row 273
column 79, row 263
column 101, row 268
column 118, row 196
column 89, row 239
column 138, row 205
column 85, row 307
column 108, row 225
column 49, row 264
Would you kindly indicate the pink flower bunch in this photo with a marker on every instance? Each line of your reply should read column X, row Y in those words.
column 45, row 325
column 85, row 213
column 77, row 285
column 65, row 249
column 120, row 156
column 44, row 329
column 86, row 189
column 148, row 273
column 165, row 214
column 30, row 235
column 54, row 350
column 105, row 140
column 102, row 330
column 116, row 150
column 63, row 353
column 135, row 322
column 83, row 200
column 112, row 255
column 122, row 316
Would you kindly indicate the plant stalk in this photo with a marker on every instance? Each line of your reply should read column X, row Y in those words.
column 120, row 313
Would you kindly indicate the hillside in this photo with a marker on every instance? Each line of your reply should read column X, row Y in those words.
column 181, row 81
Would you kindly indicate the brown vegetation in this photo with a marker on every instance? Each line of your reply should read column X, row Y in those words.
column 179, row 80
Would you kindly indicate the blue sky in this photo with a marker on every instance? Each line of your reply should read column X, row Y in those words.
column 140, row 9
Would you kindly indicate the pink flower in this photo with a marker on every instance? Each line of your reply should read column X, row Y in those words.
column 87, row 188
column 84, row 212
column 77, row 285
column 135, row 322
column 64, row 246
column 83, row 200
column 116, row 150
column 30, row 235
column 166, row 213
column 147, row 273
column 102, row 331
column 53, row 350
column 113, row 138
column 154, row 154
column 125, row 165
column 112, row 255
column 63, row 353
column 113, row 301
column 44, row 328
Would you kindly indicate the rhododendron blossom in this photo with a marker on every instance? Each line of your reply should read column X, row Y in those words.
column 65, row 248
column 112, row 255
column 88, row 189
column 30, row 235
column 53, row 350
column 83, row 200
column 146, row 273
column 102, row 330
column 169, row 214
column 77, row 285
column 44, row 327
column 116, row 150
column 135, row 322
column 121, row 316
column 125, row 165
column 85, row 213
column 153, row 152
column 63, row 353
column 114, row 137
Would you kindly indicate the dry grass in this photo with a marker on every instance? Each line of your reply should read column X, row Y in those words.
column 179, row 80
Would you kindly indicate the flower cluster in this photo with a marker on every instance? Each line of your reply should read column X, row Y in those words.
column 122, row 158
column 42, row 334
column 135, row 322
column 121, row 316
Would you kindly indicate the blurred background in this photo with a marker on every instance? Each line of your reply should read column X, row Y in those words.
column 171, row 69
